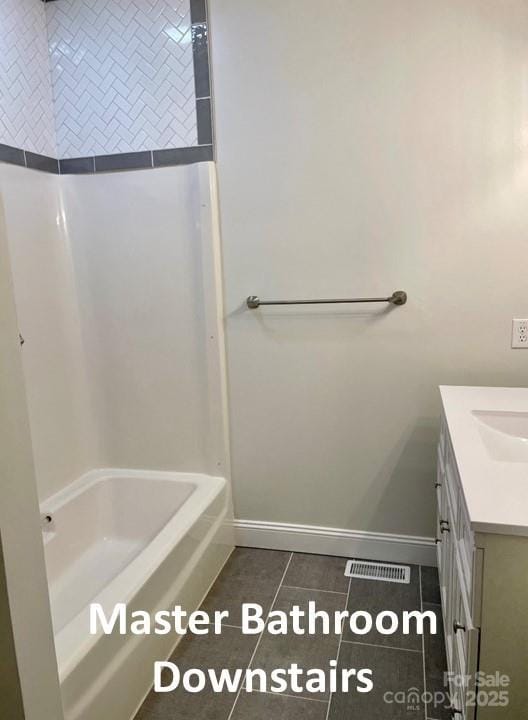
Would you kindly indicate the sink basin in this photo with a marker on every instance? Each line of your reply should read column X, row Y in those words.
column 504, row 434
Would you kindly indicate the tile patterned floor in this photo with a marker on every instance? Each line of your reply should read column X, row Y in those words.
column 278, row 580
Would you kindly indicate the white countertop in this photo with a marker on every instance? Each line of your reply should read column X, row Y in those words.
column 495, row 488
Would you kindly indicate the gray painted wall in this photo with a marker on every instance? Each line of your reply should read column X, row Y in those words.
column 364, row 147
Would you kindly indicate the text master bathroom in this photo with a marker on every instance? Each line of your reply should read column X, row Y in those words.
column 264, row 400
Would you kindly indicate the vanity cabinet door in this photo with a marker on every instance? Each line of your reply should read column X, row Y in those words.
column 446, row 570
column 461, row 531
column 466, row 545
column 442, row 548
column 464, row 646
column 450, row 599
column 455, row 549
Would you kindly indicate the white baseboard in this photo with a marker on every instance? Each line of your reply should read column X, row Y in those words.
column 335, row 541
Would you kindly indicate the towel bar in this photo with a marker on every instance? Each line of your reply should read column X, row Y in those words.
column 399, row 297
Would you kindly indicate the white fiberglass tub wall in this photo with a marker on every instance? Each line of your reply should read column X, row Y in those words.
column 63, row 432
column 145, row 253
column 117, row 285
column 147, row 539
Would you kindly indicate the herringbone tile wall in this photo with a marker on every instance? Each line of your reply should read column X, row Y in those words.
column 26, row 110
column 122, row 75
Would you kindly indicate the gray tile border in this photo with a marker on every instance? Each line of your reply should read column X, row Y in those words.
column 42, row 162
column 12, row 155
column 204, row 121
column 198, row 11
column 202, row 72
column 317, row 572
column 182, row 156
column 202, row 84
column 123, row 161
column 107, row 163
column 76, row 166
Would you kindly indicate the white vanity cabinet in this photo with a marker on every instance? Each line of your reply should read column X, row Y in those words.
column 483, row 571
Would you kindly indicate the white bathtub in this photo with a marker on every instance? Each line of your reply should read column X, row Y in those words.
column 149, row 539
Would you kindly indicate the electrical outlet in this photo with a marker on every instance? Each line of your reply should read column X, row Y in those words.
column 520, row 333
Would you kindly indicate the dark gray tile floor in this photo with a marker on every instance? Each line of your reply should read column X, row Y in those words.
column 308, row 651
column 395, row 670
column 279, row 580
column 249, row 576
column 376, row 597
column 230, row 650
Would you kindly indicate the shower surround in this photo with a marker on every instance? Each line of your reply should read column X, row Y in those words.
column 117, row 286
column 117, row 283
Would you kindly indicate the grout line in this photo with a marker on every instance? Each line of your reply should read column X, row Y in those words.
column 282, row 694
column 339, row 645
column 383, row 647
column 298, row 587
column 423, row 645
column 224, row 625
column 261, row 634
